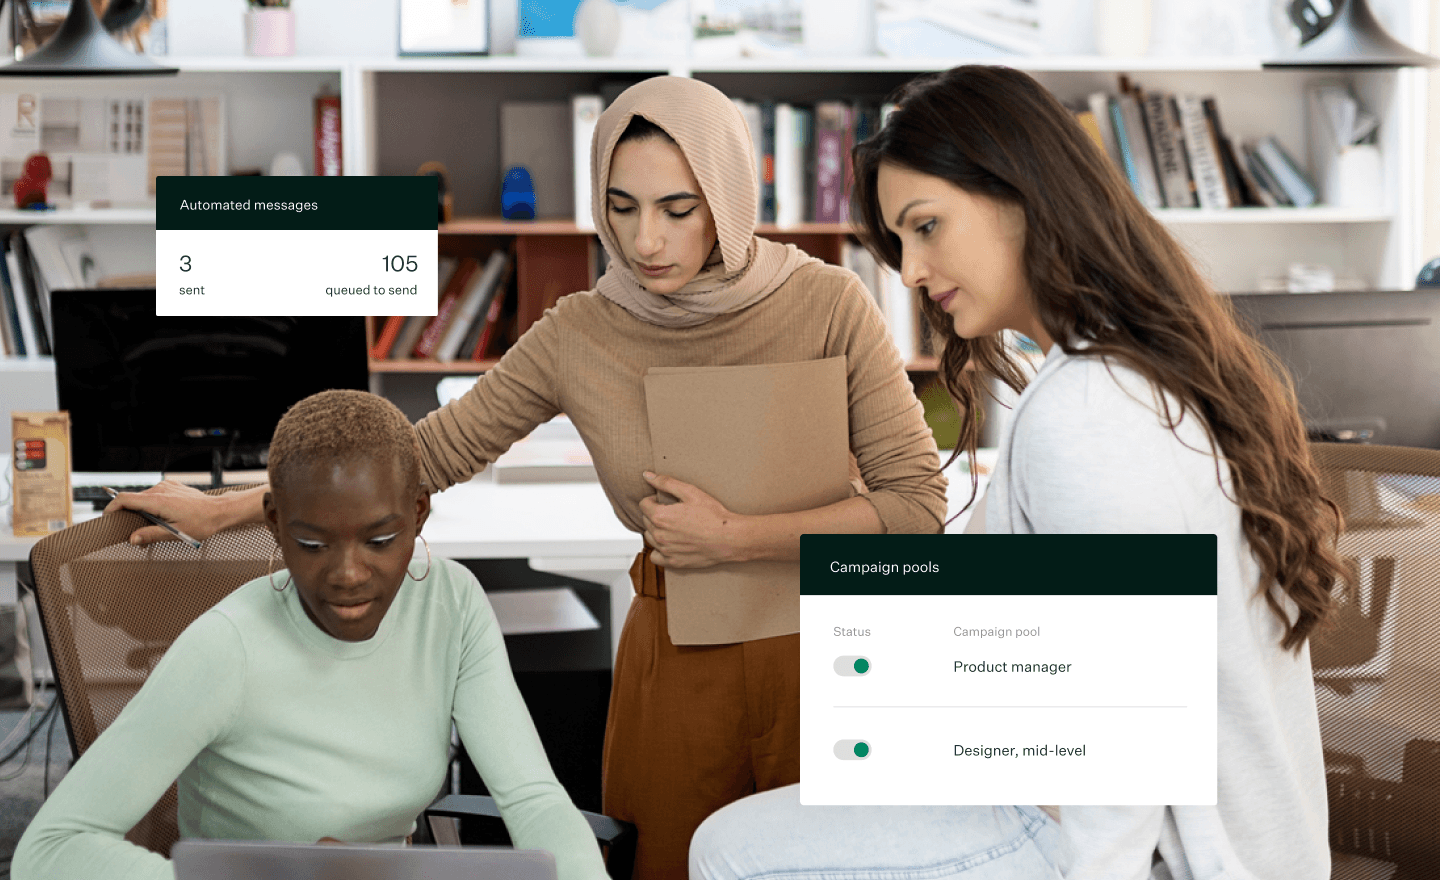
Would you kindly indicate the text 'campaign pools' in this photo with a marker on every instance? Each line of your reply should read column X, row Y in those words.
column 1008, row 669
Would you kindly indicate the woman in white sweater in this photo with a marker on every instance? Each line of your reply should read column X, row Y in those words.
column 1152, row 412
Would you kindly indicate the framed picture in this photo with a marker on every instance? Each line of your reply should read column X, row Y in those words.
column 444, row 27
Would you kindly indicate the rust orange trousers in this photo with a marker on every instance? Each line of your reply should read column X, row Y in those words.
column 692, row 728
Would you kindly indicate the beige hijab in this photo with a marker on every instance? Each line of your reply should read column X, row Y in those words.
column 712, row 134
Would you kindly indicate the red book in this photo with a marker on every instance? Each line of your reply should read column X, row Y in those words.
column 328, row 154
column 381, row 349
column 492, row 320
column 435, row 330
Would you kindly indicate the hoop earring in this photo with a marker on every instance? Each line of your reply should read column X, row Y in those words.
column 280, row 589
column 426, row 574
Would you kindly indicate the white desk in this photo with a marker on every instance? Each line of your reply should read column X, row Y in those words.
column 565, row 528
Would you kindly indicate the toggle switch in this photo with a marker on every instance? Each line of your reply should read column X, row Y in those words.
column 852, row 749
column 852, row 665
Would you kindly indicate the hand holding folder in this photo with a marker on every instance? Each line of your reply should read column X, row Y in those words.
column 769, row 438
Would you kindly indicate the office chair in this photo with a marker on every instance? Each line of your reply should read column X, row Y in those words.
column 1377, row 670
column 110, row 610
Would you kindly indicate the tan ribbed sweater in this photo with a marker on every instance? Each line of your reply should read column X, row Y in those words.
column 587, row 357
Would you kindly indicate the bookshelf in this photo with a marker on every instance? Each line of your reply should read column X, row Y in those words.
column 400, row 112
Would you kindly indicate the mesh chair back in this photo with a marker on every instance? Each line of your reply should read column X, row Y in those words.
column 1377, row 671
column 110, row 610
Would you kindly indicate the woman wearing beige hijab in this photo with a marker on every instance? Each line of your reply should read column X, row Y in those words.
column 691, row 727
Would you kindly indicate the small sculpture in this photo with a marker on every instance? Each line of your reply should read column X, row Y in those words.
column 30, row 188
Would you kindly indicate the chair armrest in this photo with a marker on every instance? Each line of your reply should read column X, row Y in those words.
column 617, row 834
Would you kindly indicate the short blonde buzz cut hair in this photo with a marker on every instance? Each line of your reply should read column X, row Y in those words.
column 344, row 426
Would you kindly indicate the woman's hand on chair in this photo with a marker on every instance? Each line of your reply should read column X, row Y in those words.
column 695, row 531
column 190, row 510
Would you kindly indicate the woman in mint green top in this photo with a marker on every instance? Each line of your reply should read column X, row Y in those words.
column 317, row 703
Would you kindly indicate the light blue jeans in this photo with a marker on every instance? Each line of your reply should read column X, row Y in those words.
column 770, row 836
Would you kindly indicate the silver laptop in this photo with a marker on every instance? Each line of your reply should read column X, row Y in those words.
column 248, row 860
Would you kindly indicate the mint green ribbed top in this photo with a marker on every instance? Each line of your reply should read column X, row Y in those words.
column 276, row 731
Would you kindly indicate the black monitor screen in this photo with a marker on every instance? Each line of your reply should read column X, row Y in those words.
column 148, row 393
column 1366, row 365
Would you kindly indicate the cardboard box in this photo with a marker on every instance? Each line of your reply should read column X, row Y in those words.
column 40, row 466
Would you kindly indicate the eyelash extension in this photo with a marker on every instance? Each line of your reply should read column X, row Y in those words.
column 384, row 540
column 619, row 210
column 682, row 216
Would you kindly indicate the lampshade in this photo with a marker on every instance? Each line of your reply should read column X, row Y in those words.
column 82, row 48
column 1355, row 39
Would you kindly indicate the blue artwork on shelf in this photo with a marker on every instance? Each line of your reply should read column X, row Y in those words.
column 548, row 18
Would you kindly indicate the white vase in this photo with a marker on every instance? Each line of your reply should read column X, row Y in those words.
column 839, row 28
column 269, row 32
column 597, row 25
column 1122, row 27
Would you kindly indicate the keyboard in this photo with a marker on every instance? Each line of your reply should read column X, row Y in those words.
column 99, row 499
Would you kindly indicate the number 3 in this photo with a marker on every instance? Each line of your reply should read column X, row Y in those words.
column 185, row 263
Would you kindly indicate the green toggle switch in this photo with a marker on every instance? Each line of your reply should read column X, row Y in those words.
column 852, row 749
column 852, row 665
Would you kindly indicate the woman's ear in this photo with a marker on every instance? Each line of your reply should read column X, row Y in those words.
column 422, row 509
column 271, row 514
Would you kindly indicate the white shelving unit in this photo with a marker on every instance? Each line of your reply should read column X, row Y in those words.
column 398, row 112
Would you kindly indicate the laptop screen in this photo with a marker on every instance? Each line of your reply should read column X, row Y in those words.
column 242, row 860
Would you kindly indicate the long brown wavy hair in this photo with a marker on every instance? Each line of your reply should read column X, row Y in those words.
column 1101, row 268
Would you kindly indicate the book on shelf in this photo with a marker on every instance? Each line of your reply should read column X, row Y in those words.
column 445, row 311
column 1128, row 166
column 32, row 324
column 1234, row 183
column 767, row 161
column 10, row 317
column 1086, row 118
column 585, row 112
column 1204, row 154
column 409, row 337
column 1099, row 103
column 329, row 155
column 831, row 124
column 1132, row 118
column 1252, row 193
column 385, row 339
column 792, row 145
column 1163, row 124
column 489, row 336
column 750, row 110
column 1270, row 188
column 1286, row 172
column 473, row 306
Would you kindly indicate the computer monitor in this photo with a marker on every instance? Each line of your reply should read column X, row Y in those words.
column 1366, row 365
column 149, row 393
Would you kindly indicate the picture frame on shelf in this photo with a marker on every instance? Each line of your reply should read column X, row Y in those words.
column 444, row 27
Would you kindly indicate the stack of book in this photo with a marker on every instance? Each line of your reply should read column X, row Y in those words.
column 1174, row 153
column 467, row 322
column 36, row 261
column 802, row 156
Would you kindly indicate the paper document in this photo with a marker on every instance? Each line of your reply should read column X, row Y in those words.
column 549, row 610
column 770, row 438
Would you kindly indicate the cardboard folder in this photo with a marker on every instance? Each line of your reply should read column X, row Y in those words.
column 771, row 438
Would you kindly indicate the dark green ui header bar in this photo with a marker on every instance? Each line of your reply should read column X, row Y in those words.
column 1007, row 565
column 224, row 203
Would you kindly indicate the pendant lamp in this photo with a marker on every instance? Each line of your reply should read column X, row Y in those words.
column 81, row 47
column 1355, row 39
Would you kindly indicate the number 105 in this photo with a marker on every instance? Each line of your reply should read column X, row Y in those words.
column 398, row 263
